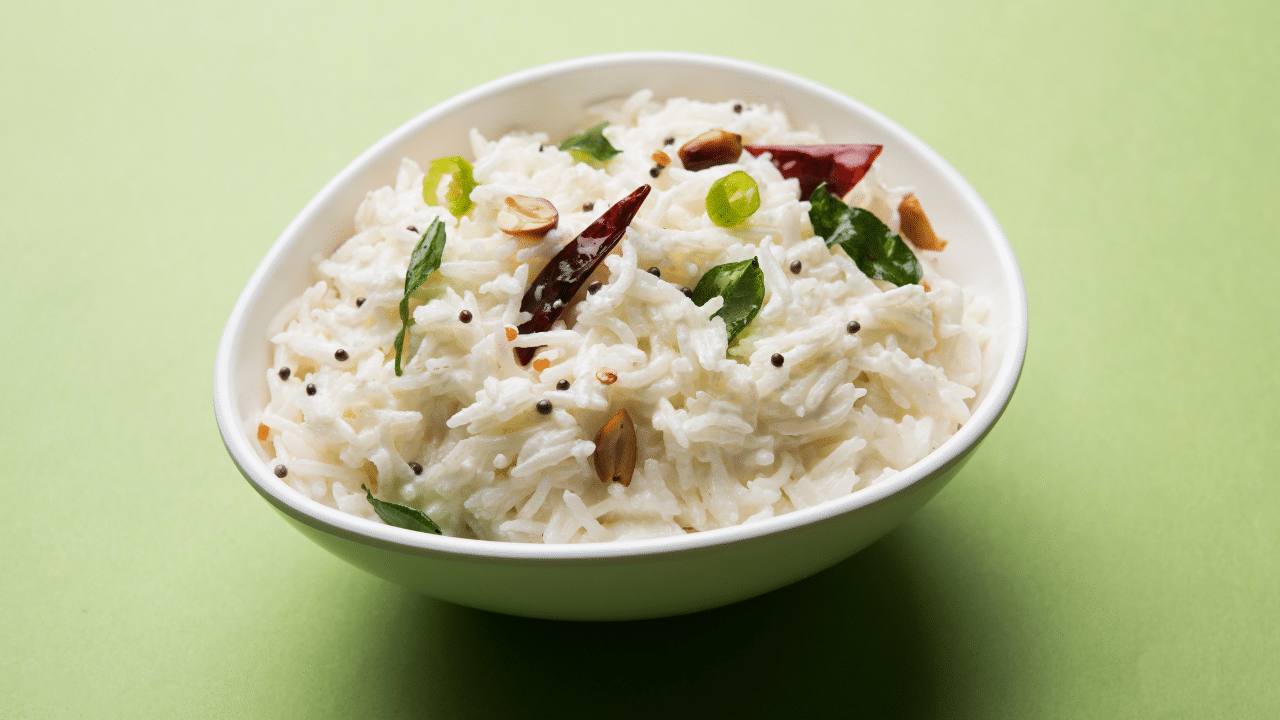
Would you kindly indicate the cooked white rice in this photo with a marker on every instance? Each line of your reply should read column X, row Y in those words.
column 724, row 436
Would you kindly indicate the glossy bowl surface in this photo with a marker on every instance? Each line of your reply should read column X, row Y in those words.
column 635, row 579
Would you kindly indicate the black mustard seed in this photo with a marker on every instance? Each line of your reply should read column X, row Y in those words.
column 654, row 271
column 737, row 107
column 688, row 291
column 284, row 373
column 311, row 388
column 544, row 407
column 777, row 359
column 281, row 471
column 416, row 468
column 562, row 385
column 669, row 141
column 340, row 355
column 796, row 267
column 655, row 171
column 359, row 301
column 464, row 316
column 588, row 206
column 854, row 327
column 594, row 287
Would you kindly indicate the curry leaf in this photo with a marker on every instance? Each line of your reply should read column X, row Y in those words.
column 424, row 261
column 741, row 284
column 877, row 251
column 461, row 183
column 591, row 144
column 402, row 516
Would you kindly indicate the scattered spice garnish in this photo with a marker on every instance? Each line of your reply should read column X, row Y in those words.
column 737, row 107
column 925, row 285
column 544, row 407
column 777, row 359
column 311, row 388
column 669, row 141
column 841, row 166
column 281, row 471
column 561, row 278
column 464, row 316
column 796, row 267
column 263, row 430
column 853, row 327
column 284, row 373
column 688, row 291
column 711, row 148
column 511, row 334
column 588, row 206
column 527, row 217
column 661, row 159
column 340, row 355
column 606, row 376
column 412, row 229
column 562, row 385
column 654, row 271
column 615, row 455
column 541, row 364
column 359, row 301
column 594, row 287
column 916, row 226
column 655, row 171
column 416, row 468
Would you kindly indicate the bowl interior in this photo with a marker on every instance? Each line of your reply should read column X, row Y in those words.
column 552, row 99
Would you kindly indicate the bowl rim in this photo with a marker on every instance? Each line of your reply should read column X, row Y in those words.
column 333, row 521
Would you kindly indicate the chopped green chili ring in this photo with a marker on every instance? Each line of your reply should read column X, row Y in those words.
column 461, row 183
column 732, row 199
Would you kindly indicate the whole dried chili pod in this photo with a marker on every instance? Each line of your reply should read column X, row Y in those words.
column 840, row 166
column 560, row 280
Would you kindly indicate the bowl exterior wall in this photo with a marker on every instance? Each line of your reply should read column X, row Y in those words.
column 641, row 587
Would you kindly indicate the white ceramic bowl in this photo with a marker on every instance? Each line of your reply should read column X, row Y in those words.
column 637, row 579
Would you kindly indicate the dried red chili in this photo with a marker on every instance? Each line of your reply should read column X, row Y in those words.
column 549, row 294
column 840, row 166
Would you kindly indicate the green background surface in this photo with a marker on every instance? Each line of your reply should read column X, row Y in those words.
column 1111, row 551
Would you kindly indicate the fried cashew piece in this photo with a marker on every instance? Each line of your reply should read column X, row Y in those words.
column 615, row 455
column 711, row 148
column 527, row 217
column 916, row 226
